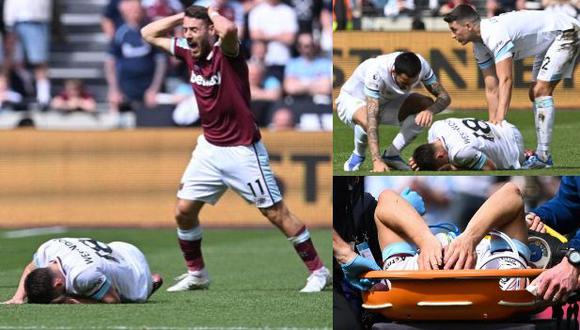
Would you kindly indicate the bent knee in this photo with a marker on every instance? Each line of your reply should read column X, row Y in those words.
column 275, row 213
column 388, row 196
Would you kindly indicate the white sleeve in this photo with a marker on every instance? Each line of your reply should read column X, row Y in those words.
column 427, row 75
column 483, row 56
column 41, row 257
column 91, row 283
column 373, row 82
column 499, row 43
column 469, row 157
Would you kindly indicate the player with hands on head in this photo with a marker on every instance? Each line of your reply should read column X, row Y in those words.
column 230, row 153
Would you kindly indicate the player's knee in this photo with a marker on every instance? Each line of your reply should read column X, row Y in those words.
column 388, row 196
column 540, row 90
column 185, row 216
column 531, row 94
column 276, row 213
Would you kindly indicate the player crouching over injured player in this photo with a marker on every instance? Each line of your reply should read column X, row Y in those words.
column 82, row 270
column 409, row 244
column 469, row 144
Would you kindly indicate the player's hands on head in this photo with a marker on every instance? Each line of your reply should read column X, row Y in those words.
column 424, row 118
column 535, row 223
column 379, row 166
column 556, row 283
column 460, row 254
column 430, row 253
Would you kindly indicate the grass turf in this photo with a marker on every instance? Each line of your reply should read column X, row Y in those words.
column 256, row 276
column 565, row 151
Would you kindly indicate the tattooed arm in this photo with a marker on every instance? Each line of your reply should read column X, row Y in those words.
column 373, row 134
column 425, row 117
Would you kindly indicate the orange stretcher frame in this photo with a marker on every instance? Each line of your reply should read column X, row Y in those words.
column 451, row 295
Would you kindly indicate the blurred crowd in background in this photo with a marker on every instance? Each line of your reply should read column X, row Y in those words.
column 68, row 57
column 348, row 14
column 455, row 199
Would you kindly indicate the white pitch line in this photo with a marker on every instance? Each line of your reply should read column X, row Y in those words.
column 34, row 232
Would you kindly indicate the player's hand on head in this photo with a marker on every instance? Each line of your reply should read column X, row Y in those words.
column 430, row 253
column 379, row 166
column 460, row 253
column 424, row 118
column 413, row 164
column 535, row 223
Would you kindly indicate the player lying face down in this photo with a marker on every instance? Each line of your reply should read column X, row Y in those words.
column 74, row 271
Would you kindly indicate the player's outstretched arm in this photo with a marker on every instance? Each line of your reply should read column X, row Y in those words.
column 156, row 32
column 20, row 293
column 491, row 91
column 227, row 31
column 504, row 76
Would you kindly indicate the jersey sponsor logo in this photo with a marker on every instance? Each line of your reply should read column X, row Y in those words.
column 216, row 79
column 393, row 260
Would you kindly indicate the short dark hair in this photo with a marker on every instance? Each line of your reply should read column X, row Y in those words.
column 38, row 286
column 424, row 157
column 408, row 63
column 461, row 13
column 198, row 12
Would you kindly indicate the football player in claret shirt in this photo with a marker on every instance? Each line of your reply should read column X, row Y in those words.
column 230, row 153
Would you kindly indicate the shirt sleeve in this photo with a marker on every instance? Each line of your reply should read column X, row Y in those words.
column 500, row 44
column 41, row 257
column 482, row 55
column 179, row 47
column 469, row 157
column 563, row 211
column 428, row 77
column 373, row 82
column 92, row 284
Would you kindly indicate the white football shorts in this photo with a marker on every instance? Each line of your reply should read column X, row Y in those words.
column 558, row 61
column 135, row 283
column 404, row 261
column 245, row 169
column 347, row 105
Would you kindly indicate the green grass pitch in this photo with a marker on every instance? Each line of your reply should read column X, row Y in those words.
column 256, row 276
column 565, row 150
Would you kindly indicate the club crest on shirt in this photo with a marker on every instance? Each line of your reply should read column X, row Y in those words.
column 216, row 79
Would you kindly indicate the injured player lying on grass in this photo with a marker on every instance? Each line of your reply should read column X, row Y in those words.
column 407, row 242
column 470, row 144
column 82, row 270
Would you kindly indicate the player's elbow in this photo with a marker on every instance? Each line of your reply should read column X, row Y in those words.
column 147, row 34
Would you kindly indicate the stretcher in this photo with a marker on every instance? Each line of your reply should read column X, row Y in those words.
column 451, row 295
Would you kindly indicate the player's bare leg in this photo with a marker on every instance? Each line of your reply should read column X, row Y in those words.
column 541, row 95
column 413, row 104
column 298, row 234
column 189, row 235
column 360, row 140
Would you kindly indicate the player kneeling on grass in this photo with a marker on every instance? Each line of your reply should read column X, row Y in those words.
column 82, row 270
column 379, row 91
column 470, row 144
column 230, row 153
column 409, row 244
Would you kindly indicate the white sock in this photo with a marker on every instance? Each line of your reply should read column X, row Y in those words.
column 409, row 131
column 192, row 234
column 544, row 118
column 43, row 91
column 360, row 141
